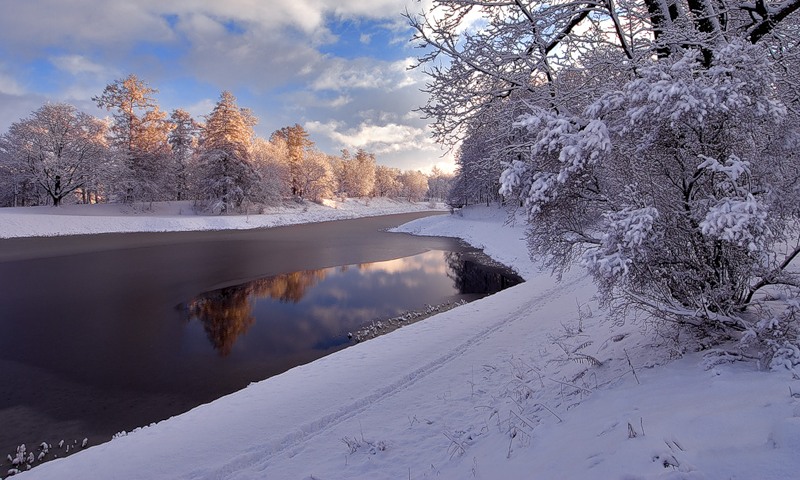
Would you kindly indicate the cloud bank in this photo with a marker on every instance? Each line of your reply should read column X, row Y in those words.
column 338, row 67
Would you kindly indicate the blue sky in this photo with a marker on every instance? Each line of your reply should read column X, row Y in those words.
column 339, row 68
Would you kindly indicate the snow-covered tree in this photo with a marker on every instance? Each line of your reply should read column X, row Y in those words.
column 386, row 181
column 271, row 160
column 479, row 51
column 365, row 169
column 299, row 144
column 16, row 188
column 316, row 180
column 439, row 184
column 227, row 175
column 356, row 174
column 139, row 137
column 57, row 148
column 414, row 185
column 183, row 138
column 479, row 164
column 673, row 190
column 653, row 141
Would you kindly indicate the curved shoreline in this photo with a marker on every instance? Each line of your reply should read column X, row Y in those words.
column 28, row 222
column 24, row 248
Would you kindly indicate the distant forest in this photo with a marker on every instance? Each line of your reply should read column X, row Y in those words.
column 59, row 155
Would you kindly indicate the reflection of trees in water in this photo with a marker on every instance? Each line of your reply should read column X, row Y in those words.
column 290, row 287
column 471, row 277
column 227, row 313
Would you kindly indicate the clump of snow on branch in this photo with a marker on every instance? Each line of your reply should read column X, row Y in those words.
column 742, row 222
column 576, row 144
column 679, row 96
column 733, row 168
column 738, row 217
column 779, row 333
column 627, row 232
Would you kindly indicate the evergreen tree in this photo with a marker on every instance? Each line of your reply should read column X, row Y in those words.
column 183, row 140
column 228, row 176
column 138, row 136
column 299, row 145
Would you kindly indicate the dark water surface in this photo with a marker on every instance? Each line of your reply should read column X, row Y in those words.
column 105, row 333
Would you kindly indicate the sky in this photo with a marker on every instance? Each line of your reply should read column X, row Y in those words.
column 337, row 67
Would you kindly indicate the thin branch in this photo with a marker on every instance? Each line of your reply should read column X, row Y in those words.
column 773, row 277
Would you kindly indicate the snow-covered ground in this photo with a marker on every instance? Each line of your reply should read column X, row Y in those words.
column 533, row 382
column 181, row 216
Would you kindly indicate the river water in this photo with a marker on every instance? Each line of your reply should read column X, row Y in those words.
column 105, row 333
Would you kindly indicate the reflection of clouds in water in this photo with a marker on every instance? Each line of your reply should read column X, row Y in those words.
column 429, row 262
column 307, row 310
column 393, row 281
column 337, row 293
column 336, row 319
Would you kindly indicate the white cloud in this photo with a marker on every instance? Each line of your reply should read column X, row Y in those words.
column 9, row 85
column 402, row 146
column 341, row 74
column 251, row 47
column 255, row 59
column 229, row 43
column 301, row 101
column 80, row 65
column 447, row 165
column 199, row 109
column 364, row 73
column 339, row 101
column 48, row 22
column 107, row 24
column 379, row 139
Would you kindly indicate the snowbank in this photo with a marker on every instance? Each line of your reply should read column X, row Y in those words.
column 533, row 382
column 180, row 216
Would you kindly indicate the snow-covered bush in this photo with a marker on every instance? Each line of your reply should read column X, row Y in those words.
column 656, row 142
column 675, row 191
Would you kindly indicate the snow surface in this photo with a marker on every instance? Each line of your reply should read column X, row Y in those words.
column 181, row 216
column 532, row 382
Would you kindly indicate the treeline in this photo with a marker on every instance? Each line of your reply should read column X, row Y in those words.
column 142, row 154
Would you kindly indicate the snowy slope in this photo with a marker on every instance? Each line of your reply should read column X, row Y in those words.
column 533, row 382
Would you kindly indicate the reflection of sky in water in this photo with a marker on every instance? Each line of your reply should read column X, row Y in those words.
column 314, row 310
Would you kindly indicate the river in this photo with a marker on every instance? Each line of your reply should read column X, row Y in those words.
column 105, row 333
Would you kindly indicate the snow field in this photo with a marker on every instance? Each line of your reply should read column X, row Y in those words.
column 532, row 382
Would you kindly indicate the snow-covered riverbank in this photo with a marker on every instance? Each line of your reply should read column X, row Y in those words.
column 533, row 382
column 181, row 216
